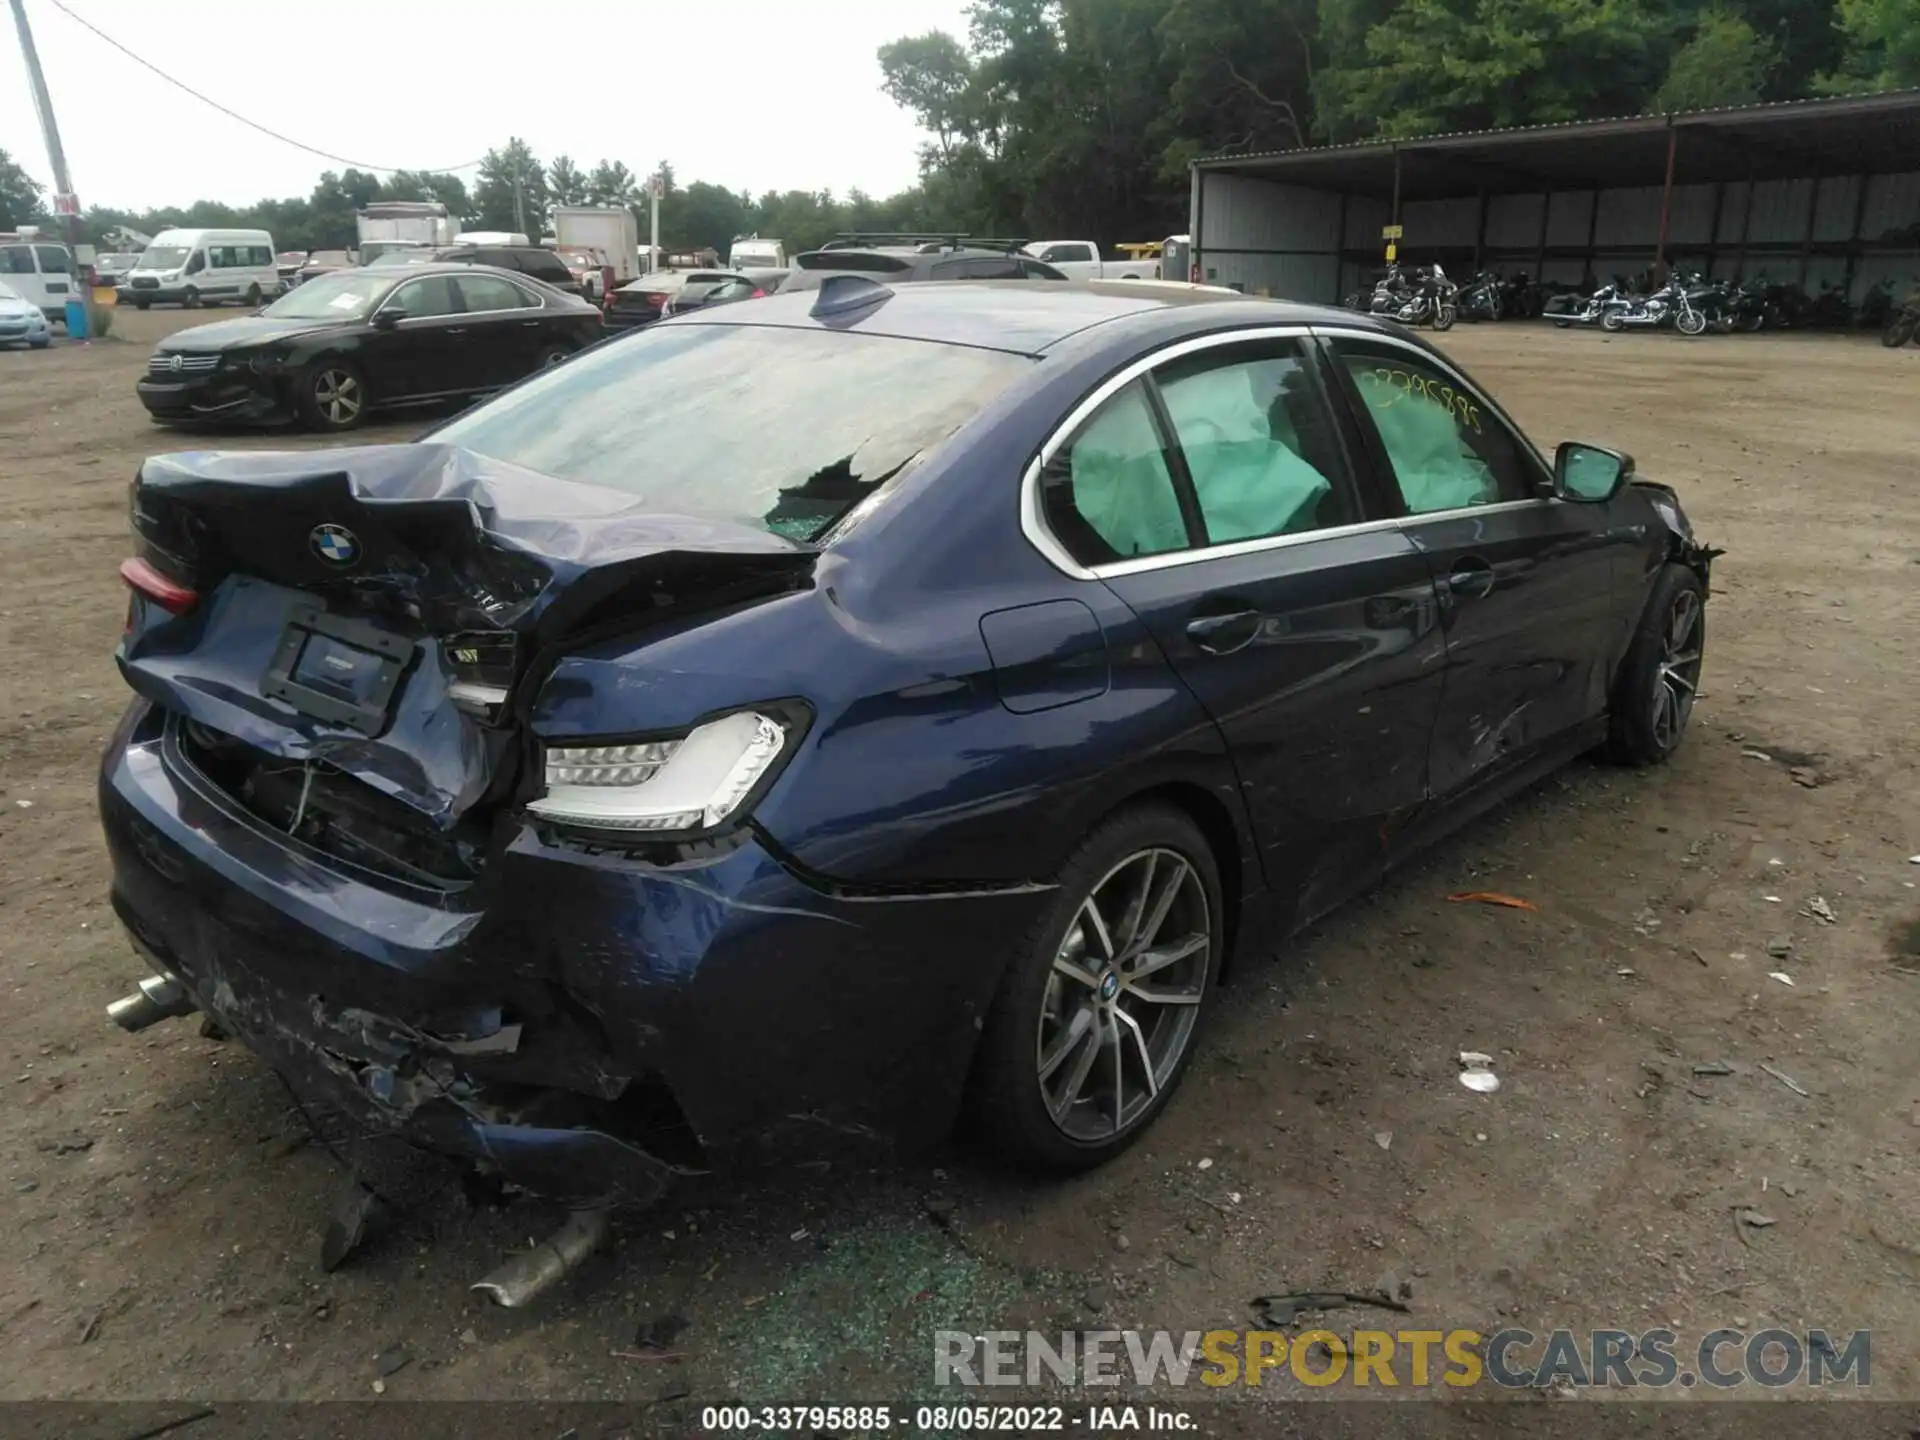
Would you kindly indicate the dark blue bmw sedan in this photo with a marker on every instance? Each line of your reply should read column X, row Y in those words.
column 807, row 721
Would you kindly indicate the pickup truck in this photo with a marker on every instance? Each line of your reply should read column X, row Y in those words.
column 1080, row 260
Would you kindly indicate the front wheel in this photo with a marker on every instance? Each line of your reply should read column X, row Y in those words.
column 1691, row 322
column 1443, row 317
column 142, row 303
column 192, row 299
column 1654, row 691
column 1899, row 329
column 331, row 396
column 1099, row 1007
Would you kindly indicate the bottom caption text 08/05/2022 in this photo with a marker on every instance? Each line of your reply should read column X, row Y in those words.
column 963, row 1418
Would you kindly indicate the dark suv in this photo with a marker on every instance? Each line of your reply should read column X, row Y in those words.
column 532, row 260
column 897, row 264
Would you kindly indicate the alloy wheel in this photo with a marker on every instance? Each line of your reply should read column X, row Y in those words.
column 1124, row 994
column 1679, row 676
column 336, row 394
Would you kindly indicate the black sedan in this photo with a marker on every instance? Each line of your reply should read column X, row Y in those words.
column 367, row 339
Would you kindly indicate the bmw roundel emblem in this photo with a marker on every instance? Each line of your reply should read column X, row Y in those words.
column 1109, row 985
column 334, row 544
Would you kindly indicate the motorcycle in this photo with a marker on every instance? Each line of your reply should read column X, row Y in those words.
column 1590, row 310
column 1669, row 305
column 1430, row 298
column 1903, row 321
column 1483, row 298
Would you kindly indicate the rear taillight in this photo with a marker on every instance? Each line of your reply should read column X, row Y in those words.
column 146, row 581
column 758, row 295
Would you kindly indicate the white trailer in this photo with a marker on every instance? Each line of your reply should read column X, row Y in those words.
column 609, row 229
column 402, row 225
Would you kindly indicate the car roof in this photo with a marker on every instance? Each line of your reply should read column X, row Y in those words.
column 1021, row 316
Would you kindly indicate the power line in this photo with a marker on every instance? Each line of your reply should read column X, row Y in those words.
column 236, row 115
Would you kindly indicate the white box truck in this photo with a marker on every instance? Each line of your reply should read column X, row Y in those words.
column 388, row 225
column 607, row 235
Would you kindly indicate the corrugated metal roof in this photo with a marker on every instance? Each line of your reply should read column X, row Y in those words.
column 1890, row 101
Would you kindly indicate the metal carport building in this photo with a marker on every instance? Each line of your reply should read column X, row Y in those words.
column 1823, row 192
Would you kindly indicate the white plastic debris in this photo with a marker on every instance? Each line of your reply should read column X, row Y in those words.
column 1476, row 1073
column 1781, row 976
column 1383, row 1138
column 1206, row 1164
column 1820, row 910
column 24, row 804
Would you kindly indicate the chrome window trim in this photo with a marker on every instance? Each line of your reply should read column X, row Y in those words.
column 1033, row 522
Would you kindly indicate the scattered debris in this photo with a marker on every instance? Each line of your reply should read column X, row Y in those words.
column 800, row 1234
column 660, row 1332
column 939, row 1210
column 284, row 1145
column 469, row 1336
column 1757, row 755
column 1476, row 1072
column 1206, row 1165
column 1788, row 1189
column 1820, row 910
column 179, row 1422
column 1780, row 946
column 24, row 804
column 348, row 1225
column 1803, row 776
column 1493, row 897
column 1782, row 977
column 1695, row 952
column 1626, row 970
column 1788, row 1081
column 392, row 1360
column 73, row 1144
column 1772, row 899
column 1757, row 1220
column 1281, row 1311
column 1713, row 1067
column 1383, row 1138
column 92, row 1327
column 26, row 1186
column 1095, row 1298
column 1122, row 1244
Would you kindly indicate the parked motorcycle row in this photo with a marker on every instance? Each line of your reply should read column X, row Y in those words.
column 1688, row 303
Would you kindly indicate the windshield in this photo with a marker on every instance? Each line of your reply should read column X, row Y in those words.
column 342, row 295
column 164, row 257
column 784, row 429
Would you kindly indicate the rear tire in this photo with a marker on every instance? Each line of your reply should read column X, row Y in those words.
column 253, row 297
column 142, row 303
column 1899, row 330
column 1654, row 691
column 331, row 396
column 1100, row 1009
column 1613, row 322
column 191, row 299
column 553, row 355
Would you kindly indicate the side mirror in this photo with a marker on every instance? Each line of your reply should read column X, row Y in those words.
column 388, row 317
column 1588, row 474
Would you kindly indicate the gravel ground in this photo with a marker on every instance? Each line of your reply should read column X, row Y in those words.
column 159, row 1217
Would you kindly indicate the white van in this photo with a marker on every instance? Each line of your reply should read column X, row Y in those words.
column 204, row 267
column 38, row 269
column 750, row 252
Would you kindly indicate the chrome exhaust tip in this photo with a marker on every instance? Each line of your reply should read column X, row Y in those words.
column 156, row 998
column 525, row 1278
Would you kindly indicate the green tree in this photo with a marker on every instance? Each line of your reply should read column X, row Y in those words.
column 1441, row 65
column 564, row 180
column 510, row 192
column 703, row 215
column 19, row 195
column 449, row 190
column 1724, row 63
column 611, row 183
column 1882, row 46
column 932, row 76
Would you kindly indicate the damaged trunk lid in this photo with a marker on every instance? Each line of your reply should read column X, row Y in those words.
column 348, row 642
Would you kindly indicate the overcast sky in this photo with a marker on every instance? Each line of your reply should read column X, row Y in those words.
column 750, row 94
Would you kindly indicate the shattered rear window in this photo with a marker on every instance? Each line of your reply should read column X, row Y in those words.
column 783, row 429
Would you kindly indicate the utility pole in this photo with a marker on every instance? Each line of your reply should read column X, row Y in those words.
column 65, row 202
column 656, row 187
column 519, row 196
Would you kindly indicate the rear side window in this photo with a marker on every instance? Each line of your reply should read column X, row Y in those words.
column 490, row 292
column 831, row 419
column 1258, row 442
column 53, row 259
column 1108, row 493
column 545, row 265
column 1071, row 253
column 984, row 268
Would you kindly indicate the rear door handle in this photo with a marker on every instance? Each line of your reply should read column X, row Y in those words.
column 1224, row 634
column 1471, row 579
column 529, row 324
column 455, row 330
